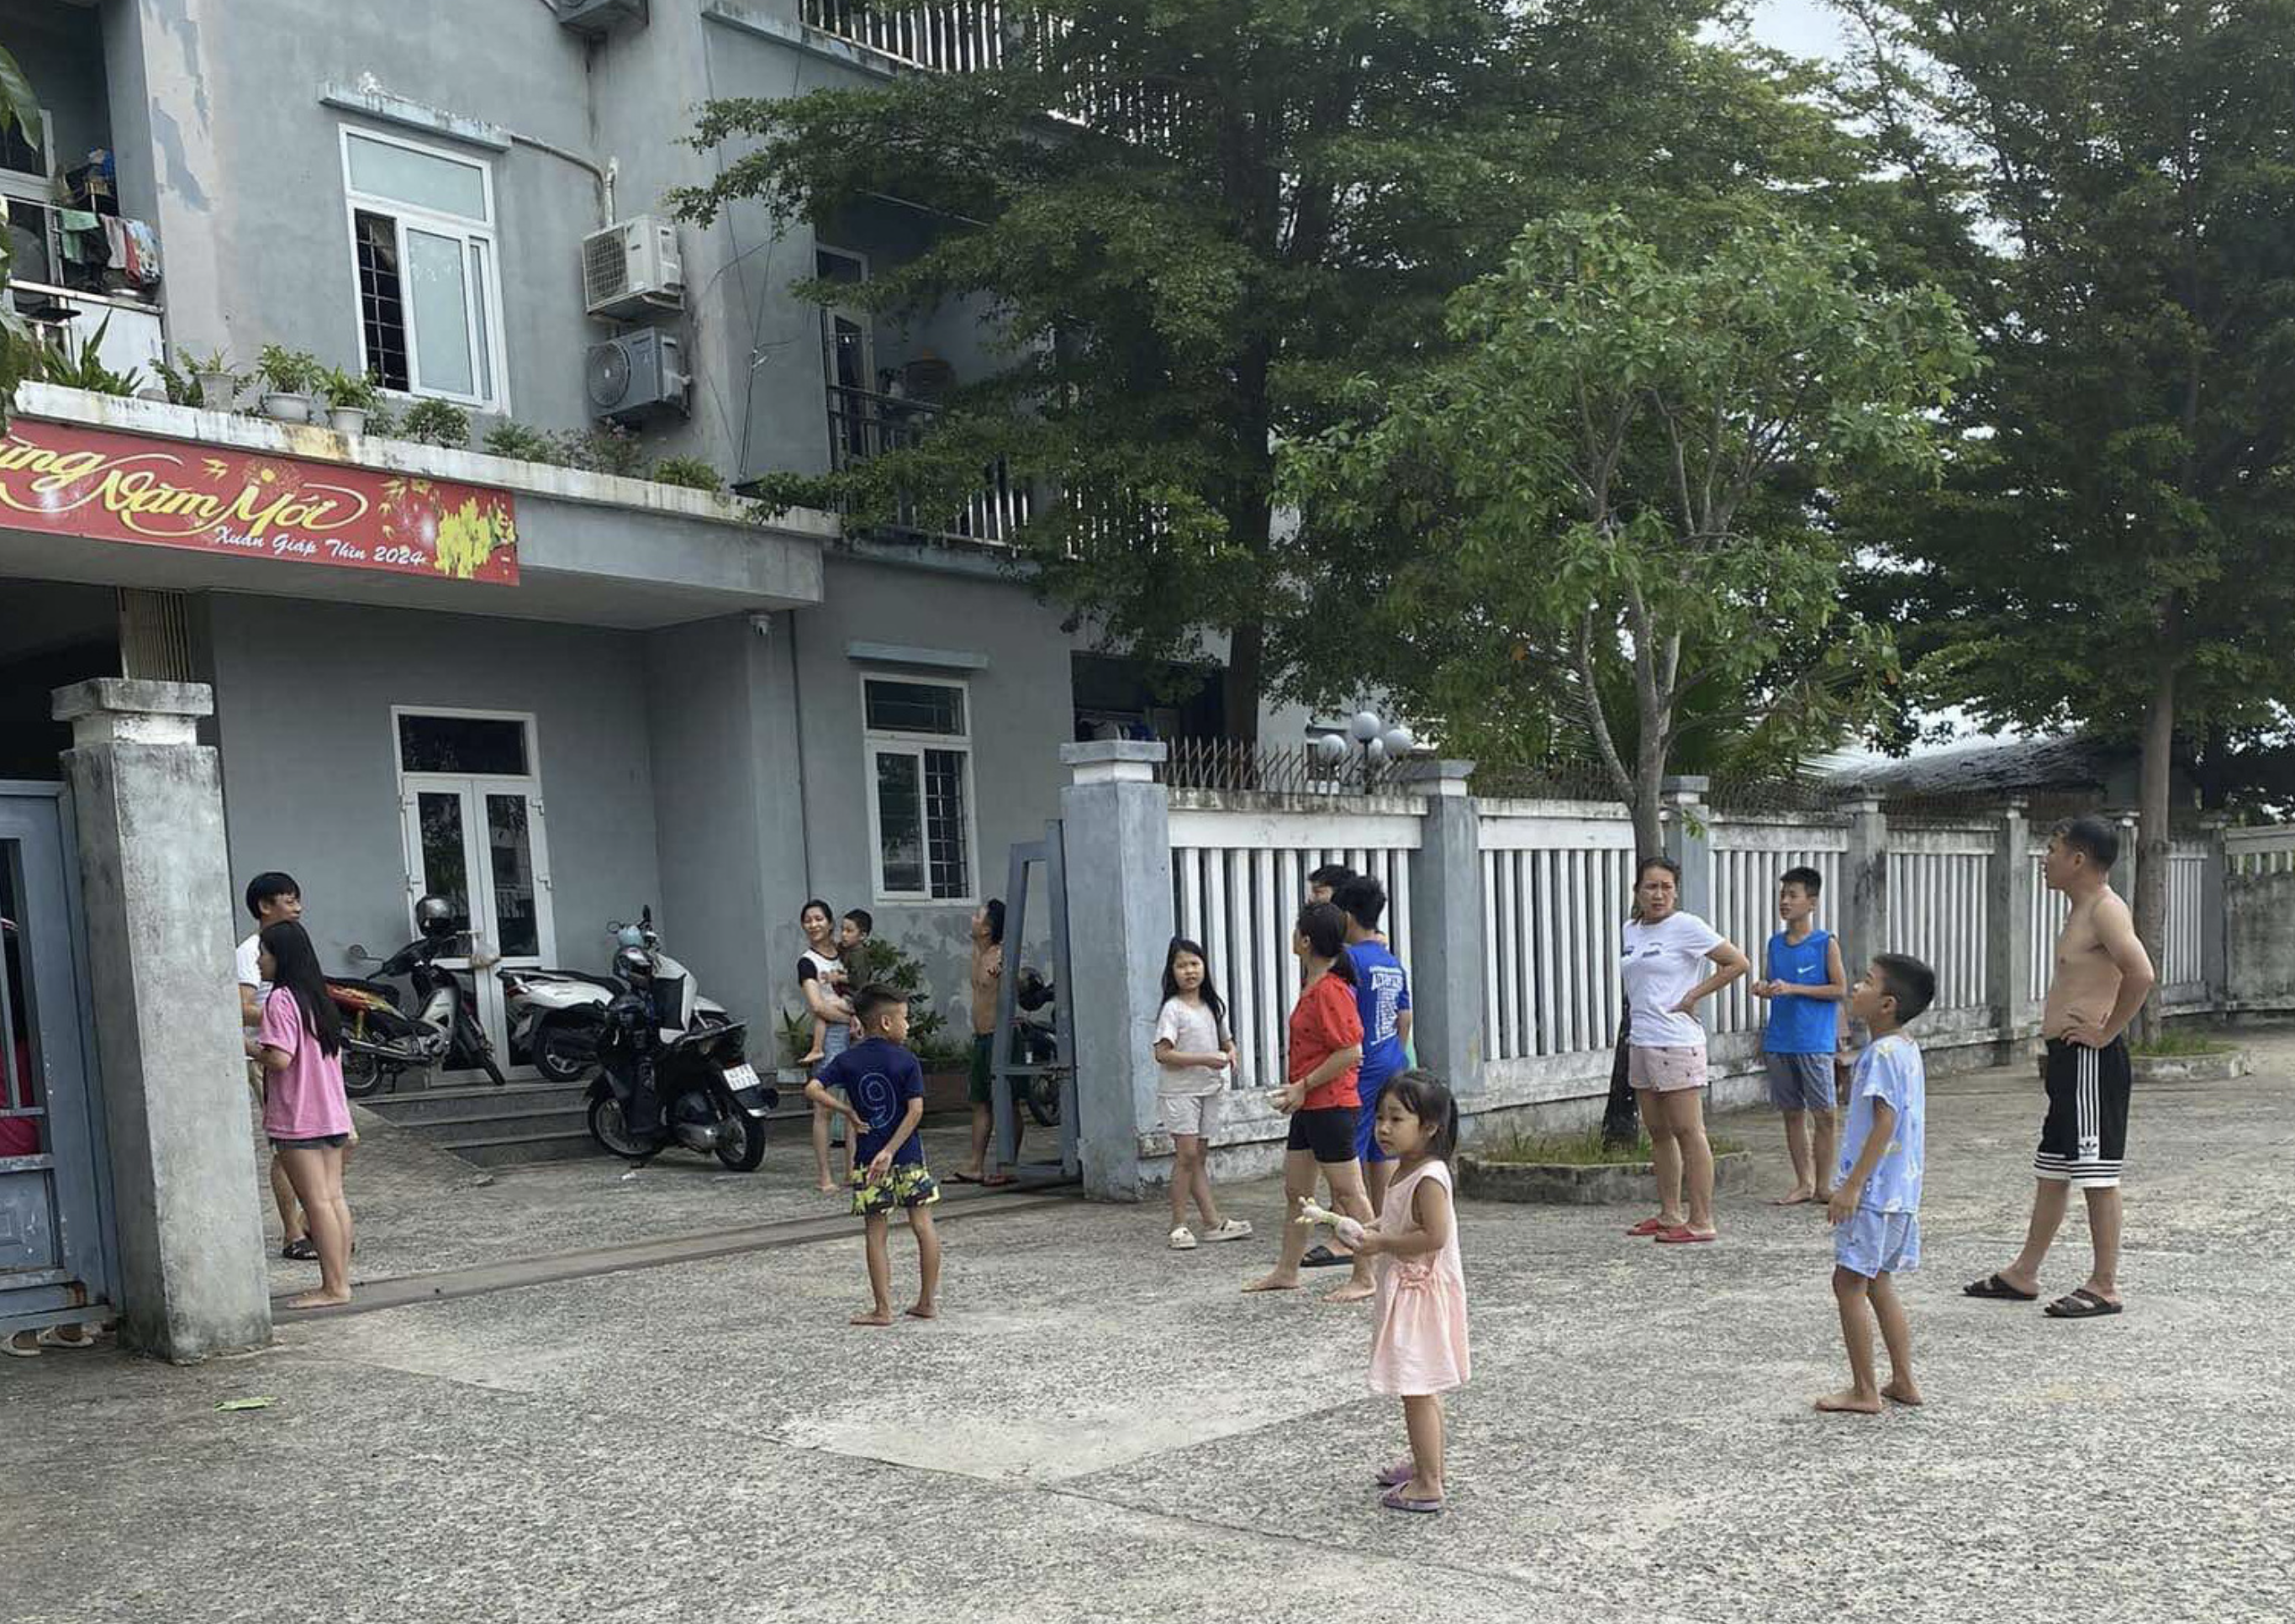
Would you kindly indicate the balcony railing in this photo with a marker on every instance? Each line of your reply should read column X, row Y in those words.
column 863, row 424
column 962, row 38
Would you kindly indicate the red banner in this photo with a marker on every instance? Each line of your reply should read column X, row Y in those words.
column 116, row 488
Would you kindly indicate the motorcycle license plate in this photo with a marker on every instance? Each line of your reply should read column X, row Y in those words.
column 739, row 1077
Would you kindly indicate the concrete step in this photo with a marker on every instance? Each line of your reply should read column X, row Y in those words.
column 518, row 1149
column 415, row 1108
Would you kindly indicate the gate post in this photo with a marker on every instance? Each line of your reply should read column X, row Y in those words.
column 1446, row 928
column 1865, row 875
column 1115, row 834
column 2008, row 951
column 147, row 799
column 1689, row 842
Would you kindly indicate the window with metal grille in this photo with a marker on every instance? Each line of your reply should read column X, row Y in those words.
column 920, row 783
column 429, row 290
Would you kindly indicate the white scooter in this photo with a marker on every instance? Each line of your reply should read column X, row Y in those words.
column 559, row 1016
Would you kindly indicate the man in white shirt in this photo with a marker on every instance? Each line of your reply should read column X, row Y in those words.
column 271, row 897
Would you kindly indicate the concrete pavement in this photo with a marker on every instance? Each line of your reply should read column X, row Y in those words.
column 1100, row 1429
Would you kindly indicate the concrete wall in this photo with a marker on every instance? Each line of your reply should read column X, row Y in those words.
column 2259, row 922
column 304, row 692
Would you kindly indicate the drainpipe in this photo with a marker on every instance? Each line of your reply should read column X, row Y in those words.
column 605, row 172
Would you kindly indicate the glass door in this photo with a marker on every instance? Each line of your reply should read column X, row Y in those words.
column 477, row 842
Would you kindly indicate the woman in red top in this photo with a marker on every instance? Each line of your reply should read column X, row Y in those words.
column 1326, row 1053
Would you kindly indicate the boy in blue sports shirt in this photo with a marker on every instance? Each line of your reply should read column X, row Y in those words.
column 1875, row 1211
column 1383, row 998
column 1806, row 986
column 883, row 1095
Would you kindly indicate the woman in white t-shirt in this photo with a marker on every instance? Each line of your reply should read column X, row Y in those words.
column 1663, row 966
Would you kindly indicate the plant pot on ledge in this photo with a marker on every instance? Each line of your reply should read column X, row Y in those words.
column 218, row 391
column 282, row 407
column 349, row 422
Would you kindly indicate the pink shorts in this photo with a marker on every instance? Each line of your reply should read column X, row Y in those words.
column 1666, row 1070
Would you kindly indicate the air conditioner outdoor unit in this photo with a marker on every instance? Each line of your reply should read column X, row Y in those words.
column 633, row 265
column 638, row 375
column 597, row 17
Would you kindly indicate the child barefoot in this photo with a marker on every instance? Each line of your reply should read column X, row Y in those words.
column 1876, row 1205
column 1418, row 1349
column 1198, row 1057
column 884, row 1089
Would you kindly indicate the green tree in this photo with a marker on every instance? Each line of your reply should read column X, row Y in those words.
column 2114, row 545
column 19, row 351
column 1260, row 198
column 1599, row 511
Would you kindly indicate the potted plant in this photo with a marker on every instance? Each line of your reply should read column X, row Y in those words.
column 437, row 422
column 219, row 382
column 288, row 376
column 350, row 396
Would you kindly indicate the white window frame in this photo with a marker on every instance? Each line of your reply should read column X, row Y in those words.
column 878, row 742
column 486, row 315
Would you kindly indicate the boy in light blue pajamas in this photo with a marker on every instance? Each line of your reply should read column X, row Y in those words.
column 1875, row 1211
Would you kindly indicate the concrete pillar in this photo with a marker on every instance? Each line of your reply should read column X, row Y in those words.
column 1865, row 877
column 1446, row 928
column 1116, row 839
column 1689, row 842
column 2008, row 950
column 2215, row 932
column 148, row 802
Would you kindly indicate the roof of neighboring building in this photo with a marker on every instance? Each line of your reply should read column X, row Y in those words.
column 2068, row 762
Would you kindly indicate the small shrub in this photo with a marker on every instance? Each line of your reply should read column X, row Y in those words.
column 183, row 388
column 879, row 959
column 288, row 371
column 437, row 422
column 381, row 421
column 517, row 440
column 349, row 390
column 692, row 473
column 611, row 450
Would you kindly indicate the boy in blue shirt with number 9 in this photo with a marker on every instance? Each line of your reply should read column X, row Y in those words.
column 884, row 1089
column 1876, row 1204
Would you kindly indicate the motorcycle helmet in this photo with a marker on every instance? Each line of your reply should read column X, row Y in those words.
column 434, row 917
column 633, row 964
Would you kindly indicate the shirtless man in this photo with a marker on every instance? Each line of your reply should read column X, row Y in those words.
column 2103, row 977
column 986, row 975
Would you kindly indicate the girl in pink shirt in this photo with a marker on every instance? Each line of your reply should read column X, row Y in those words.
column 305, row 1110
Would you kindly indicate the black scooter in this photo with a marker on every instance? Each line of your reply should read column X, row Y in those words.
column 659, row 1085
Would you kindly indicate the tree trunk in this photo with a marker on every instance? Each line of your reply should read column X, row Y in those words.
column 1245, row 660
column 2153, row 835
column 1649, row 789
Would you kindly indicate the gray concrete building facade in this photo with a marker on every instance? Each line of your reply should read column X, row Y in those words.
column 671, row 699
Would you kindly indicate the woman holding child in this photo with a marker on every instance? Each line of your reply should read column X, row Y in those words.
column 1663, row 964
column 821, row 982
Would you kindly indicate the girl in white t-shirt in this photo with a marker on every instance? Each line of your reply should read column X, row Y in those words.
column 1197, row 1055
column 1662, row 962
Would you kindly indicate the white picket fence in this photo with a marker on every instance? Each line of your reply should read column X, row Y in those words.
column 2183, row 966
column 2260, row 851
column 1238, row 881
column 2046, row 913
column 1940, row 904
column 1557, row 881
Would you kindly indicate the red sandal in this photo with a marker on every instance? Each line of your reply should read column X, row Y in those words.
column 1649, row 1226
column 1683, row 1236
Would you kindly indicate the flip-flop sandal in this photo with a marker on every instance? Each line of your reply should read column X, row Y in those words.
column 1396, row 1475
column 9, row 1345
column 1992, row 1288
column 1319, row 1256
column 299, row 1252
column 1394, row 1499
column 53, row 1336
column 2081, row 1304
column 1648, row 1226
column 962, row 1179
column 1683, row 1236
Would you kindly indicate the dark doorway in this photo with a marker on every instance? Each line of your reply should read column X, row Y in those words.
column 52, row 635
column 1127, row 698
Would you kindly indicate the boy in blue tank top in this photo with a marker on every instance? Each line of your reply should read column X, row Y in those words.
column 1805, row 984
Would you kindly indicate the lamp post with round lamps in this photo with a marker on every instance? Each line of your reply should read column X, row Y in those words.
column 1379, row 741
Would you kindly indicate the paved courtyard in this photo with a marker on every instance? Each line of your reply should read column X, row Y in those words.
column 1099, row 1429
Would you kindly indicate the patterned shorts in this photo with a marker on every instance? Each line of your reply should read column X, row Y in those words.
column 905, row 1184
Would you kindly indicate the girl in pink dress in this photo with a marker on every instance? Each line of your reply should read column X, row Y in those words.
column 1418, row 1347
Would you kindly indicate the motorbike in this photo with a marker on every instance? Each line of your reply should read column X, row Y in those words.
column 560, row 1015
column 667, row 1080
column 1036, row 1037
column 383, row 1038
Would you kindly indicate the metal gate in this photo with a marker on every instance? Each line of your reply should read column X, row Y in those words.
column 55, row 1250
column 1036, row 1060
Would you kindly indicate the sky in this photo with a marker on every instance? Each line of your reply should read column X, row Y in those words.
column 1806, row 27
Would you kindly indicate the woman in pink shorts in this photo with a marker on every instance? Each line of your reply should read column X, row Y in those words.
column 1664, row 965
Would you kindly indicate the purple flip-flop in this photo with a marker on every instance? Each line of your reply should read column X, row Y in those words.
column 1393, row 1499
column 1396, row 1475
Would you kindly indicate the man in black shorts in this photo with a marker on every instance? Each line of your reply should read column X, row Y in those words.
column 2102, row 977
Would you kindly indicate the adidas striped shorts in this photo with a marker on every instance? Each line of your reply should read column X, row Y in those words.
column 2084, row 1142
